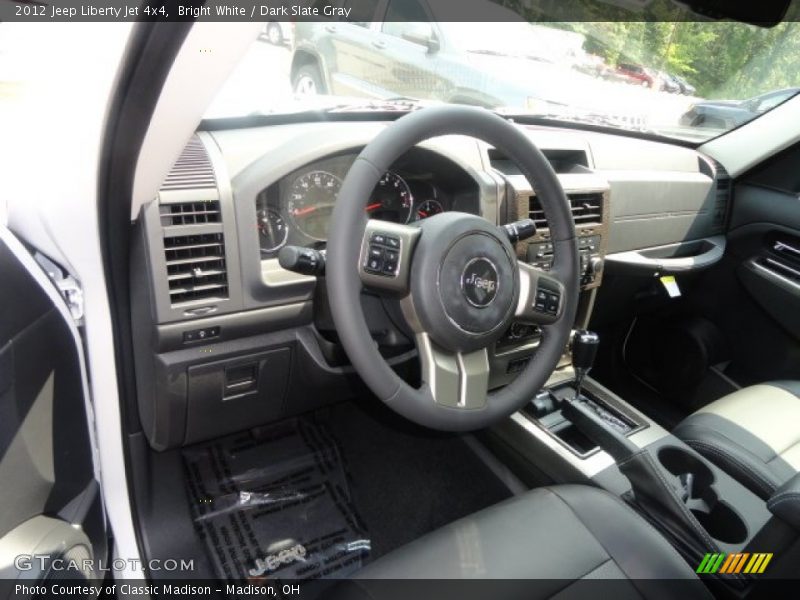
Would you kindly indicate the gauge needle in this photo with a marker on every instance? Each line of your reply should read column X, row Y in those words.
column 303, row 211
column 422, row 213
column 375, row 206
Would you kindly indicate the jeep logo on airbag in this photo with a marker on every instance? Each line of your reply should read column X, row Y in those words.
column 479, row 282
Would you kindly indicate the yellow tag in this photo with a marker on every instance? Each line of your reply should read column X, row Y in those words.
column 671, row 285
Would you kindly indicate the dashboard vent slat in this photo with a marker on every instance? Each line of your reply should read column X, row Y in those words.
column 196, row 268
column 587, row 209
column 724, row 189
column 192, row 170
column 190, row 213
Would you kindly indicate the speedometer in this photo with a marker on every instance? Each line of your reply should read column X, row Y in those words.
column 311, row 200
column 391, row 199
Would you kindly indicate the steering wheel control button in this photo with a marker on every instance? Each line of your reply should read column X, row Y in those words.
column 375, row 265
column 546, row 301
column 480, row 282
column 383, row 255
column 391, row 260
column 392, row 242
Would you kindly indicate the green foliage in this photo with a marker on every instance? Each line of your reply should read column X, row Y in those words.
column 722, row 59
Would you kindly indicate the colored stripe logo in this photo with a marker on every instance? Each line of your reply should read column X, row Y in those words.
column 729, row 564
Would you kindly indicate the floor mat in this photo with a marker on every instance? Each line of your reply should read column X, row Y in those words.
column 407, row 480
column 274, row 503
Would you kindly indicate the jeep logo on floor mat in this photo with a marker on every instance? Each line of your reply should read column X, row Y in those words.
column 273, row 561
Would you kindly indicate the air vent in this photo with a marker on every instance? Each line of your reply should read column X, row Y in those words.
column 723, row 179
column 723, row 182
column 196, row 267
column 190, row 213
column 587, row 209
column 192, row 170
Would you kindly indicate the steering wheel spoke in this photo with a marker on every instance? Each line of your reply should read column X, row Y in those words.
column 541, row 296
column 455, row 379
column 386, row 252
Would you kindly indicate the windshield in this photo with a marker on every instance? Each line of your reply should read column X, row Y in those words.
column 685, row 79
column 504, row 39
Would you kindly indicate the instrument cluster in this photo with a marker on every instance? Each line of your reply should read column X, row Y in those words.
column 297, row 209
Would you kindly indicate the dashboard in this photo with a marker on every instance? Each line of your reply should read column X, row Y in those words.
column 227, row 339
column 297, row 209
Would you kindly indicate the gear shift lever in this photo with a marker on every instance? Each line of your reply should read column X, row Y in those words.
column 583, row 415
column 584, row 351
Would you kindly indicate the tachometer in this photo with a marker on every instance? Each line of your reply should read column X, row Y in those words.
column 272, row 230
column 311, row 200
column 391, row 199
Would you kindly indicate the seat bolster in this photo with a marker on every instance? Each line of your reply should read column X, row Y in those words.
column 562, row 536
column 745, row 462
column 627, row 538
column 753, row 434
column 788, row 385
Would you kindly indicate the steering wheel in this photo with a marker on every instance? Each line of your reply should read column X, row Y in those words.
column 457, row 277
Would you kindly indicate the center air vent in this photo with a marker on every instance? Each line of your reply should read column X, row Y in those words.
column 196, row 267
column 587, row 209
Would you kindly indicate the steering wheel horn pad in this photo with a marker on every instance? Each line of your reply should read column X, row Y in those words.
column 476, row 281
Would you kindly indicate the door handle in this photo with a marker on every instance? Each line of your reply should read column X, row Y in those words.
column 330, row 28
column 379, row 45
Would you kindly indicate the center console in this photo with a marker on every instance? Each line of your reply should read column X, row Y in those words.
column 575, row 430
column 588, row 195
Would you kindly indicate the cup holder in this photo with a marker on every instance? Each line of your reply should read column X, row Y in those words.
column 679, row 462
column 717, row 518
column 722, row 523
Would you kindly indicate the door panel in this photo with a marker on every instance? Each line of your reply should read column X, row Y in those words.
column 48, row 493
column 764, row 256
column 754, row 293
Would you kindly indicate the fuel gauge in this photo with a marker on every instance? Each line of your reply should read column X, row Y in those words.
column 272, row 230
column 428, row 208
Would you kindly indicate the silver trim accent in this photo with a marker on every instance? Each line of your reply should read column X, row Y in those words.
column 456, row 380
column 782, row 267
column 775, row 275
column 600, row 460
column 784, row 246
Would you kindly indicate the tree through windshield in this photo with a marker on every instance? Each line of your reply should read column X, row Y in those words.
column 687, row 79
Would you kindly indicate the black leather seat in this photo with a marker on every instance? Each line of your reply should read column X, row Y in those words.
column 752, row 434
column 560, row 535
